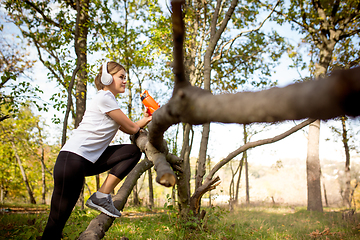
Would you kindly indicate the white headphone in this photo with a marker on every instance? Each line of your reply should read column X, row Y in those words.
column 106, row 78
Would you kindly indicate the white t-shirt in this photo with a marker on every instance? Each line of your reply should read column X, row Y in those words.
column 96, row 130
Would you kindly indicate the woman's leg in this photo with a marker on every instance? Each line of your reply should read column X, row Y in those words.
column 121, row 159
column 109, row 184
column 68, row 181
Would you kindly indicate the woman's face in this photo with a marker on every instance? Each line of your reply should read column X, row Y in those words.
column 120, row 81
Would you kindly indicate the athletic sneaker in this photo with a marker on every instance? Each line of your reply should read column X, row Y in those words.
column 104, row 205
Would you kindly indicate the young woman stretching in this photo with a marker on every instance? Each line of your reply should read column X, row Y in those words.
column 88, row 153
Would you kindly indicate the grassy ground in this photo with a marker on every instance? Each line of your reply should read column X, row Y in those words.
column 241, row 223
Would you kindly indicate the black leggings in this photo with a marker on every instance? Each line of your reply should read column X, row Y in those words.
column 70, row 171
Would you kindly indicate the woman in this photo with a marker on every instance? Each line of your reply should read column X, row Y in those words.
column 88, row 153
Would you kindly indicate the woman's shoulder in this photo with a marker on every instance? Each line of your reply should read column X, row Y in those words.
column 105, row 95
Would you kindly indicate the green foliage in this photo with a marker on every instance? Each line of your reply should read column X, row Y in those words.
column 15, row 89
column 23, row 132
column 322, row 24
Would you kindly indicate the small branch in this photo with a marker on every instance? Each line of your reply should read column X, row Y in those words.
column 200, row 191
column 244, row 32
column 46, row 18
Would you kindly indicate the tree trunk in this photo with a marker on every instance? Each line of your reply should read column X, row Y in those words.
column 313, row 169
column 136, row 200
column 246, row 167
column 200, row 170
column 26, row 181
column 97, row 180
column 43, row 167
column 325, row 196
column 247, row 179
column 151, row 190
column 43, row 178
column 238, row 180
column 2, row 193
column 346, row 198
column 184, row 177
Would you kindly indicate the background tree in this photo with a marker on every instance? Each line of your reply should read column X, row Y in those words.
column 19, row 145
column 15, row 88
column 326, row 26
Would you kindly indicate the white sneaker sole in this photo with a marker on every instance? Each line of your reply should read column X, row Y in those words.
column 92, row 205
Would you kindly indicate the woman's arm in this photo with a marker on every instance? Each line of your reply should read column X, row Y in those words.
column 126, row 125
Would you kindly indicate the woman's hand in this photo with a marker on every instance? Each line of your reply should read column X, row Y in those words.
column 147, row 115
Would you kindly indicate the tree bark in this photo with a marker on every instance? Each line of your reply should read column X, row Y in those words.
column 238, row 181
column 151, row 190
column 43, row 178
column 313, row 169
column 247, row 187
column 346, row 198
column 183, row 185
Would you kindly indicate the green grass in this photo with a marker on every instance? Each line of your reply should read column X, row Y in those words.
column 241, row 223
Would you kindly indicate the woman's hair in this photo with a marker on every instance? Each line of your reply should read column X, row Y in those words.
column 112, row 68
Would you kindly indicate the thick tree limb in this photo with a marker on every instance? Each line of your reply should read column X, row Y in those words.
column 326, row 98
column 99, row 225
column 165, row 175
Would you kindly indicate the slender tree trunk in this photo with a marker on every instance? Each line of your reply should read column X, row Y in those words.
column 346, row 198
column 43, row 178
column 25, row 179
column 238, row 180
column 151, row 190
column 325, row 196
column 209, row 168
column 136, row 200
column 97, row 180
column 313, row 169
column 43, row 167
column 2, row 193
column 246, row 167
column 247, row 179
column 201, row 163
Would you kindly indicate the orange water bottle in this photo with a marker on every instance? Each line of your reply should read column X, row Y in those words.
column 149, row 102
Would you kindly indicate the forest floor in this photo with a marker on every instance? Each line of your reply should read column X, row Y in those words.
column 28, row 221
